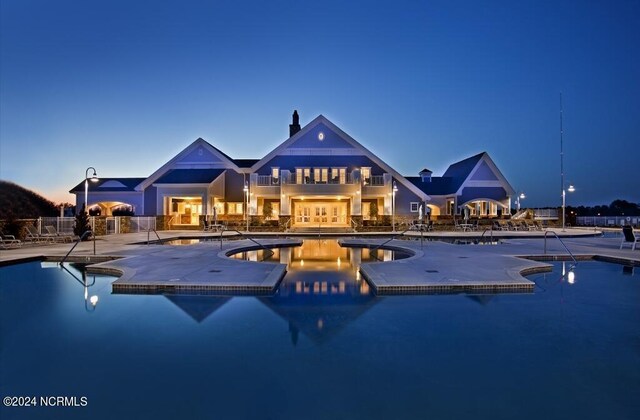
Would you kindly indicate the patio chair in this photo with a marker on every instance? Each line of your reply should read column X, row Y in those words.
column 9, row 241
column 524, row 225
column 629, row 236
column 59, row 237
column 512, row 226
column 537, row 225
column 34, row 236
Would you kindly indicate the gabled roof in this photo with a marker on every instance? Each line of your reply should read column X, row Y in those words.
column 223, row 158
column 189, row 176
column 109, row 185
column 457, row 174
column 321, row 119
column 460, row 171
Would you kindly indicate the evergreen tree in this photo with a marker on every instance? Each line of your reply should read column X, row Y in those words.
column 267, row 210
column 373, row 210
column 81, row 224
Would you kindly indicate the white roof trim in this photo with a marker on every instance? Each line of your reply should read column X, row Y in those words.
column 171, row 164
column 322, row 119
column 503, row 181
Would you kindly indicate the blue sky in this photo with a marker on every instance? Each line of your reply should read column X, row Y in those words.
column 123, row 86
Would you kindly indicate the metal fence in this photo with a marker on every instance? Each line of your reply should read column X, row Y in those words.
column 61, row 224
column 142, row 224
column 608, row 220
column 545, row 214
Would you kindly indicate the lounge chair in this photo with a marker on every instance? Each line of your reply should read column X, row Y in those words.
column 537, row 225
column 629, row 236
column 9, row 241
column 60, row 237
column 512, row 226
column 524, row 225
column 34, row 236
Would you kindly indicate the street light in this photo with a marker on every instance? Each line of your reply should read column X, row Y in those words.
column 518, row 198
column 94, row 178
column 564, row 194
column 246, row 193
column 393, row 206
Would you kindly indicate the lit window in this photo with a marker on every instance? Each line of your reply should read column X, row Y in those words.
column 275, row 174
column 234, row 208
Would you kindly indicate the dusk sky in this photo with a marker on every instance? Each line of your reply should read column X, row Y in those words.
column 125, row 85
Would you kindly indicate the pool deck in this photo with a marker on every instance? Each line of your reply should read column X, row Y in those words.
column 436, row 267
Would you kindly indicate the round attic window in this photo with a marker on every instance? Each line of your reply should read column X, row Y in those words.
column 321, row 136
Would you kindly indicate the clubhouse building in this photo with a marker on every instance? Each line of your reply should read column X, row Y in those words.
column 319, row 176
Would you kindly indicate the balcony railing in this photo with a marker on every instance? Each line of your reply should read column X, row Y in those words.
column 375, row 181
column 267, row 180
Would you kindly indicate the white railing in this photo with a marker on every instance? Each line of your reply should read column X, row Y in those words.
column 142, row 223
column 375, row 180
column 267, row 180
column 548, row 214
column 607, row 220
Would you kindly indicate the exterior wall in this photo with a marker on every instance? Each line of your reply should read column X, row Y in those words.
column 179, row 191
column 233, row 186
column 404, row 198
column 150, row 195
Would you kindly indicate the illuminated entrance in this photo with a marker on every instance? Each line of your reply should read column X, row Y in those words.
column 185, row 210
column 320, row 213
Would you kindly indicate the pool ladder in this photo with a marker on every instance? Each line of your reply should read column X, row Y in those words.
column 267, row 250
column 575, row 262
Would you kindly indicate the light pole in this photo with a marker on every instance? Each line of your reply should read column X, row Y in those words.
column 393, row 206
column 571, row 188
column 94, row 178
column 246, row 193
column 564, row 194
column 518, row 198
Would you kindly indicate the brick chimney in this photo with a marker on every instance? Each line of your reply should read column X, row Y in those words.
column 295, row 126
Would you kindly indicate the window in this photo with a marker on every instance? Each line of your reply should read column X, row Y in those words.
column 343, row 175
column 316, row 175
column 307, row 175
column 324, row 175
column 275, row 174
column 235, row 208
column 414, row 207
column 366, row 174
column 298, row 175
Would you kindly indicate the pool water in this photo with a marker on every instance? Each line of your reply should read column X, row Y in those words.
column 324, row 347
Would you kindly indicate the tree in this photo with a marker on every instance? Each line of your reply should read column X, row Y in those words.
column 267, row 210
column 81, row 224
column 373, row 210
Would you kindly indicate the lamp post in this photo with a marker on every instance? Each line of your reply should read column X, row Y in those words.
column 94, row 178
column 246, row 193
column 562, row 189
column 518, row 198
column 564, row 195
column 393, row 206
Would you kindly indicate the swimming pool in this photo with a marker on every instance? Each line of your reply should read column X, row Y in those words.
column 324, row 347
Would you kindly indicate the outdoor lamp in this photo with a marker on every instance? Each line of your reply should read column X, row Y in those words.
column 94, row 178
column 393, row 206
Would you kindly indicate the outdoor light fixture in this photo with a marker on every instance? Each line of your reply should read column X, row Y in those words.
column 246, row 192
column 393, row 206
column 518, row 198
column 94, row 178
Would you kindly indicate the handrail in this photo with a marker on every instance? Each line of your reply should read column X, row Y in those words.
column 252, row 240
column 286, row 224
column 353, row 223
column 377, row 247
column 154, row 231
column 575, row 262
column 485, row 231
column 74, row 245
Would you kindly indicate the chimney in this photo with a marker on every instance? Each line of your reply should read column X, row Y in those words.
column 295, row 127
column 425, row 175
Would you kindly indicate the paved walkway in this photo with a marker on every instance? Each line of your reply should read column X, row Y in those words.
column 437, row 267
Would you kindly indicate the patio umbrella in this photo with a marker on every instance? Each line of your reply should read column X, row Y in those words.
column 420, row 212
column 215, row 215
column 466, row 214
